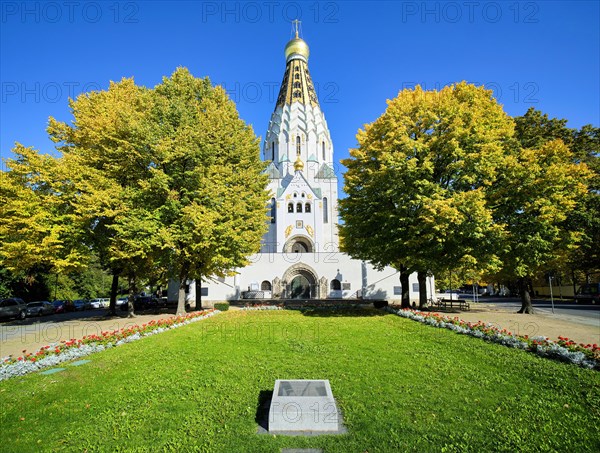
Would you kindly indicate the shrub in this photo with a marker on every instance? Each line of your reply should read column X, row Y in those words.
column 222, row 306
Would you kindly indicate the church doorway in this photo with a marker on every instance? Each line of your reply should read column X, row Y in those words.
column 300, row 288
column 300, row 282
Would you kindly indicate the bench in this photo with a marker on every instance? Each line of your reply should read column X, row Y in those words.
column 449, row 303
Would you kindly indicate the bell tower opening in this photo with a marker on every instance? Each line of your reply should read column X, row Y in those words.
column 298, row 244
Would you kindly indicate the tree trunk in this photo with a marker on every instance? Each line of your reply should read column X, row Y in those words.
column 181, row 296
column 198, row 294
column 114, row 287
column 422, row 279
column 526, row 306
column 131, row 298
column 404, row 275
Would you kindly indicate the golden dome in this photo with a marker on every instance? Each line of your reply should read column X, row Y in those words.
column 296, row 46
column 298, row 165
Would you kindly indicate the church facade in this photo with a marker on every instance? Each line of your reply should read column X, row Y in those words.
column 300, row 256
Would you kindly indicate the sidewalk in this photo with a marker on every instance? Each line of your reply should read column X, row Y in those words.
column 549, row 325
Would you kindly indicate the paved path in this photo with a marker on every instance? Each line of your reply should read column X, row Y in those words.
column 33, row 333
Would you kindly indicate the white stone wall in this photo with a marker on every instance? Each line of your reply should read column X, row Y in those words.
column 362, row 277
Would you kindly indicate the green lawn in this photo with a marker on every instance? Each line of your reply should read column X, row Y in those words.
column 401, row 386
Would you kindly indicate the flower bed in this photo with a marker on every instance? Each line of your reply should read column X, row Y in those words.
column 585, row 355
column 66, row 351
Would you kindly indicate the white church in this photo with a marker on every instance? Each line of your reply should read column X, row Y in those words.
column 300, row 256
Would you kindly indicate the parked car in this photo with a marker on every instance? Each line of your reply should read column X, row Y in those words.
column 13, row 308
column 451, row 294
column 144, row 303
column 588, row 294
column 40, row 308
column 59, row 306
column 99, row 303
column 81, row 304
column 121, row 301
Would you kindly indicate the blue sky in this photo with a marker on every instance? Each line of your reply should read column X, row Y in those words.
column 542, row 54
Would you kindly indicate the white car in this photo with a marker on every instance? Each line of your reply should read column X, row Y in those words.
column 121, row 300
column 100, row 303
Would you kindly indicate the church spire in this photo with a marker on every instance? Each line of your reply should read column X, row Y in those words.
column 297, row 86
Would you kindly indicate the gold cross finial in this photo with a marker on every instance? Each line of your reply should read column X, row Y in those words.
column 297, row 26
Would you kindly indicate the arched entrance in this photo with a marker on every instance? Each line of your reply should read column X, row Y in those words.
column 300, row 282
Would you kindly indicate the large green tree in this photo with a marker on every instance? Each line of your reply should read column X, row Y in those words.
column 207, row 185
column 177, row 174
column 417, row 183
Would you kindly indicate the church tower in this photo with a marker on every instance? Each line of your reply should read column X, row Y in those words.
column 299, row 150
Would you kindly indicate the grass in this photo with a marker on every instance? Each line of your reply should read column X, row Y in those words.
column 402, row 386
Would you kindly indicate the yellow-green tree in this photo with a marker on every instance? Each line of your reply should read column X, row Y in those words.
column 106, row 158
column 418, row 180
column 39, row 227
column 537, row 191
column 535, row 128
column 177, row 173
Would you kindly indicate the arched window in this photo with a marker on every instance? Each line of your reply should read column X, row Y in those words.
column 290, row 207
column 273, row 210
column 265, row 286
column 325, row 208
column 307, row 207
column 299, row 207
column 323, row 146
column 336, row 285
column 296, row 84
column 272, row 151
column 297, row 145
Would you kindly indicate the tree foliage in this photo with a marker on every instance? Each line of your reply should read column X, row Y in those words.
column 441, row 182
column 535, row 129
column 207, row 186
column 162, row 181
column 417, row 182
column 540, row 187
